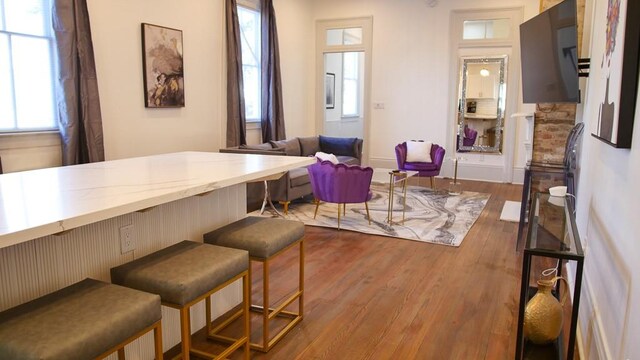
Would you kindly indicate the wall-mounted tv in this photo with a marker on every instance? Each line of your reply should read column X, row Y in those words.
column 549, row 51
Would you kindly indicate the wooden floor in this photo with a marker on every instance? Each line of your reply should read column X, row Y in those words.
column 372, row 297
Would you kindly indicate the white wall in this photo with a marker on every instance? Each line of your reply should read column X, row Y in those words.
column 129, row 128
column 411, row 64
column 607, row 218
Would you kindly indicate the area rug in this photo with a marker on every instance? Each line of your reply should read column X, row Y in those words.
column 510, row 211
column 434, row 217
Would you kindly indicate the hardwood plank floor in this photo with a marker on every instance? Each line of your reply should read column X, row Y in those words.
column 372, row 297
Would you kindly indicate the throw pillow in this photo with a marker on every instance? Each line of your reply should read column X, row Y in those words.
column 418, row 151
column 326, row 157
column 338, row 146
column 309, row 145
column 291, row 147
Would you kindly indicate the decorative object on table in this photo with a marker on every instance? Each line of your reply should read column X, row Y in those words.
column 455, row 188
column 330, row 90
column 162, row 66
column 614, row 78
column 424, row 168
column 543, row 314
column 340, row 184
column 433, row 217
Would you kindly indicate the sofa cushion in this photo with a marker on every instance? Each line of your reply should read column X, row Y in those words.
column 338, row 146
column 263, row 146
column 291, row 147
column 418, row 151
column 299, row 177
column 349, row 160
column 420, row 166
column 309, row 145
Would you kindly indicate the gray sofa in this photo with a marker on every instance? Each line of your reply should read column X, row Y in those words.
column 295, row 183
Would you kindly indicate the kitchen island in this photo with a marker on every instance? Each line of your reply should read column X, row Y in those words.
column 61, row 225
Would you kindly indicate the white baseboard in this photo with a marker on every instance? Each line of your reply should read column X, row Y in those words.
column 466, row 171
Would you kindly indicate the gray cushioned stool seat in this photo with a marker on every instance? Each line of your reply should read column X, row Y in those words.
column 182, row 272
column 81, row 321
column 262, row 237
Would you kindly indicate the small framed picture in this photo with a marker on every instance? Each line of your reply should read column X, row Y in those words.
column 330, row 90
column 162, row 67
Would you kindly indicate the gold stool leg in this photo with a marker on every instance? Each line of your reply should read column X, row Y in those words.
column 265, row 302
column 433, row 184
column 338, row 216
column 301, row 280
column 121, row 355
column 157, row 339
column 246, row 292
column 185, row 332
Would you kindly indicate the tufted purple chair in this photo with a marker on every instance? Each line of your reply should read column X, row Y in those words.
column 425, row 169
column 340, row 184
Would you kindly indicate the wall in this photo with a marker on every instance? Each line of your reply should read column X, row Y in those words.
column 607, row 213
column 411, row 67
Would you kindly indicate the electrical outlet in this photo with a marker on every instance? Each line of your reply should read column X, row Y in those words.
column 378, row 106
column 127, row 242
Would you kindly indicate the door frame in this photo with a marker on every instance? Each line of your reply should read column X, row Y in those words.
column 366, row 23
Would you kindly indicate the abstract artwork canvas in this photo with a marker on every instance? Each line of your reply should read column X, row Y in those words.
column 163, row 67
column 614, row 69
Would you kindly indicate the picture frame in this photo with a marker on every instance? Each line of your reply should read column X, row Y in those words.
column 330, row 90
column 162, row 66
column 614, row 71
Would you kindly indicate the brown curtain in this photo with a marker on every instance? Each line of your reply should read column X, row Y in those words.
column 236, row 119
column 78, row 103
column 272, row 121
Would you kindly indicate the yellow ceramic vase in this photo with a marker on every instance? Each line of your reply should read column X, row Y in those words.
column 543, row 314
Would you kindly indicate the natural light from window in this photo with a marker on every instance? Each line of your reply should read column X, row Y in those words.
column 26, row 71
column 250, row 38
column 350, row 84
column 486, row 29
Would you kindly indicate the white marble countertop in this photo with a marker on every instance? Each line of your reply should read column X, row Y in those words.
column 48, row 201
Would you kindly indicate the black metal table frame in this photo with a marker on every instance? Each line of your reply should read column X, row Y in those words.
column 524, row 285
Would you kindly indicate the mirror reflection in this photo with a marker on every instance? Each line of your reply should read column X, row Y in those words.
column 481, row 100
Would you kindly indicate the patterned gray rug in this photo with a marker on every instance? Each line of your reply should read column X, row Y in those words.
column 434, row 217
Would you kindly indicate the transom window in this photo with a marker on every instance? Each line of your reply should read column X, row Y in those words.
column 486, row 29
column 250, row 41
column 26, row 66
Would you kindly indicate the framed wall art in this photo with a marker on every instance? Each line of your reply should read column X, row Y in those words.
column 614, row 69
column 330, row 90
column 162, row 66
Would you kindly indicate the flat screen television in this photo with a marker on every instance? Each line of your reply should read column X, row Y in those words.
column 549, row 52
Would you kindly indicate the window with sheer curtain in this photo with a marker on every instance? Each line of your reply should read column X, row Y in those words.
column 249, row 19
column 350, row 84
column 26, row 66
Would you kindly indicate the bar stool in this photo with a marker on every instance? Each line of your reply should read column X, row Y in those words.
column 265, row 239
column 88, row 320
column 184, row 274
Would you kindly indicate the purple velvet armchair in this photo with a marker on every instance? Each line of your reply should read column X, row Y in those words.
column 470, row 136
column 424, row 169
column 340, row 184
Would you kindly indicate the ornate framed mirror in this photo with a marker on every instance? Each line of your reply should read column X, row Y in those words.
column 481, row 104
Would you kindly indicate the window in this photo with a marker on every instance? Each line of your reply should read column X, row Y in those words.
column 351, row 84
column 250, row 42
column 26, row 66
column 486, row 29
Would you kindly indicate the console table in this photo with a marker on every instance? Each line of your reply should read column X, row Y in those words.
column 552, row 233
